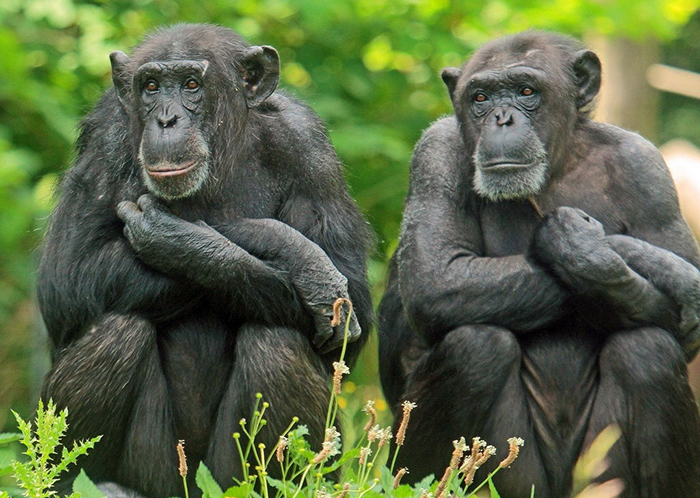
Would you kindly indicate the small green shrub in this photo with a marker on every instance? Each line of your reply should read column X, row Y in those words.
column 37, row 475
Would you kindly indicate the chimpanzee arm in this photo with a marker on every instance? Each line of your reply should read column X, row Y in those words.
column 317, row 202
column 195, row 252
column 574, row 246
column 647, row 275
column 311, row 272
column 444, row 280
column 675, row 278
column 88, row 268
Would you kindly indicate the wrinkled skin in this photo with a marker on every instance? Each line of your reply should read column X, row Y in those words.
column 199, row 243
column 545, row 285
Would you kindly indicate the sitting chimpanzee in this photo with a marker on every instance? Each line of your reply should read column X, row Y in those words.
column 200, row 241
column 500, row 321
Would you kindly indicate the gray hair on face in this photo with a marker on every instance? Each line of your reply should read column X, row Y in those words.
column 514, row 184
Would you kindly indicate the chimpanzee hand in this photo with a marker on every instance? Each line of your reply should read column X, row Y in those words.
column 168, row 243
column 317, row 281
column 575, row 247
column 673, row 276
column 319, row 285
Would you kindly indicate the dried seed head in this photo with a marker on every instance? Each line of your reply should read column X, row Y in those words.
column 322, row 494
column 480, row 453
column 330, row 447
column 460, row 447
column 339, row 368
column 514, row 448
column 477, row 444
column 336, row 310
column 385, row 436
column 372, row 413
column 364, row 454
column 399, row 475
column 325, row 452
column 488, row 452
column 281, row 446
column 332, row 434
column 401, row 433
column 345, row 491
column 182, row 459
column 469, row 476
column 440, row 490
column 373, row 433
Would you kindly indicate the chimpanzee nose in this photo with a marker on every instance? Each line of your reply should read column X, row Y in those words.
column 504, row 117
column 167, row 120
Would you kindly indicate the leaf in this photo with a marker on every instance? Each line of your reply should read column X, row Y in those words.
column 386, row 479
column 403, row 491
column 287, row 486
column 9, row 437
column 426, row 482
column 336, row 464
column 86, row 487
column 492, row 489
column 242, row 491
column 205, row 481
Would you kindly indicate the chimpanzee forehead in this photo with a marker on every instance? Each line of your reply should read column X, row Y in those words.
column 516, row 73
column 535, row 58
column 176, row 68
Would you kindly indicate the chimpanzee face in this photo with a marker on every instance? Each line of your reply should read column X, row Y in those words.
column 178, row 105
column 517, row 112
column 173, row 152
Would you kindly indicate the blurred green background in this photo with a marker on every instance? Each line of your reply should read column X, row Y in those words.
column 370, row 68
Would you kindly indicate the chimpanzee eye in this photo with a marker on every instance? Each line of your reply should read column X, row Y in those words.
column 526, row 91
column 191, row 84
column 151, row 86
column 480, row 97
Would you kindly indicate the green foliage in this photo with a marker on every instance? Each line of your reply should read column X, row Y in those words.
column 85, row 488
column 40, row 472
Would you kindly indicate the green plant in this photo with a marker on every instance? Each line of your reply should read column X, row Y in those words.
column 39, row 473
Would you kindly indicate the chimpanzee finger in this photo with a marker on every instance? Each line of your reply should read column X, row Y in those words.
column 203, row 224
column 128, row 212
column 324, row 331
column 336, row 341
column 129, row 234
column 147, row 202
column 354, row 331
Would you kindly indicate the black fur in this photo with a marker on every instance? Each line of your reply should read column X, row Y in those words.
column 498, row 323
column 167, row 313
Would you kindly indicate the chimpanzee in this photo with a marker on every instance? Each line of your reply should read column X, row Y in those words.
column 199, row 243
column 545, row 285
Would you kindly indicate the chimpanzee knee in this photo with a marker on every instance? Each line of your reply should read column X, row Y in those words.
column 480, row 353
column 280, row 363
column 642, row 359
column 113, row 490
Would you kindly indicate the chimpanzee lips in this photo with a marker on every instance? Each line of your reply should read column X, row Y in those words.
column 168, row 169
column 505, row 166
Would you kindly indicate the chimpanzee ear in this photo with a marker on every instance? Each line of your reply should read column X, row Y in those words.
column 261, row 73
column 450, row 75
column 120, row 77
column 587, row 73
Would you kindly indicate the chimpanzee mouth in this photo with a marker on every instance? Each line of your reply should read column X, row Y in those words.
column 503, row 167
column 162, row 170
